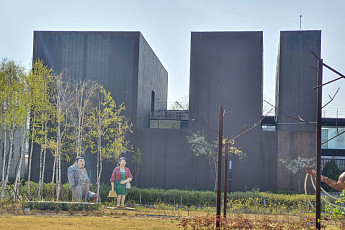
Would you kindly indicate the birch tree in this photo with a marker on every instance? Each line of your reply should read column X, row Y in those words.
column 13, row 110
column 39, row 83
column 108, row 130
column 61, row 92
column 83, row 94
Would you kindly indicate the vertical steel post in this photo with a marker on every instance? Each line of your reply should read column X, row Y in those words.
column 318, row 145
column 219, row 169
column 226, row 167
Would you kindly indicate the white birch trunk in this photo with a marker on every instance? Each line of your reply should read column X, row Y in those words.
column 4, row 184
column 40, row 177
column 19, row 171
column 54, row 170
column 99, row 165
column 45, row 152
column 58, row 154
column 4, row 158
column 216, row 173
column 30, row 155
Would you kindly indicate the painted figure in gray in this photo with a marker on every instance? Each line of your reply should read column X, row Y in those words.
column 79, row 182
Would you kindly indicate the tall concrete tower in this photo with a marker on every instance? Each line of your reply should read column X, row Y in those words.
column 226, row 69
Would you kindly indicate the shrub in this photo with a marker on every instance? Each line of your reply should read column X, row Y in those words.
column 331, row 171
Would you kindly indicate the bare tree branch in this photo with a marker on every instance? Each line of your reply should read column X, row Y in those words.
column 315, row 55
column 330, row 68
column 195, row 119
column 243, row 126
column 297, row 119
column 327, row 82
column 226, row 112
column 331, row 98
column 332, row 138
column 244, row 132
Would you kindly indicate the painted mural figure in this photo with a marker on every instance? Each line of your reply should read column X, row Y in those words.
column 337, row 185
column 120, row 181
column 79, row 182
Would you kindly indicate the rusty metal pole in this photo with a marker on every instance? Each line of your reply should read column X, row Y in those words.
column 226, row 167
column 219, row 169
column 318, row 146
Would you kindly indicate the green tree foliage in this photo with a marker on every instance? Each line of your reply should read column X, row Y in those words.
column 39, row 82
column 83, row 94
column 107, row 130
column 331, row 171
column 65, row 119
column 14, row 100
column 137, row 161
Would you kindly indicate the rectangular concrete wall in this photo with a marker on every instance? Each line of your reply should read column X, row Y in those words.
column 295, row 95
column 122, row 61
column 151, row 77
column 226, row 68
column 168, row 162
column 110, row 58
column 269, row 154
column 292, row 145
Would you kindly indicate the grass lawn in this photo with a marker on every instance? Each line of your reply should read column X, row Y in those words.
column 13, row 217
column 84, row 222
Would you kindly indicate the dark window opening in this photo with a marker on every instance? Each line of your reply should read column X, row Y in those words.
column 153, row 96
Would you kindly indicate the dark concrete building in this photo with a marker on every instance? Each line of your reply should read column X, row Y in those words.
column 295, row 79
column 121, row 61
column 295, row 97
column 226, row 68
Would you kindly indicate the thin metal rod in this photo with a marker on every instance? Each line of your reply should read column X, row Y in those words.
column 318, row 146
column 219, row 171
column 226, row 167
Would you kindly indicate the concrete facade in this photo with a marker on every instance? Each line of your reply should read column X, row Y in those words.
column 226, row 69
column 121, row 61
column 168, row 162
column 295, row 79
column 296, row 97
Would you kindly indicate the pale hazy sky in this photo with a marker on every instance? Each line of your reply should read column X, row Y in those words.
column 167, row 26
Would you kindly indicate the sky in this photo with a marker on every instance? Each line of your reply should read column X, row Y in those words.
column 167, row 27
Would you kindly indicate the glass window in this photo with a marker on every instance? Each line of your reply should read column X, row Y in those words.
column 154, row 124
column 268, row 128
column 330, row 132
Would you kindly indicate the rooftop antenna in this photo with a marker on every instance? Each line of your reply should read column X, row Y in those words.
column 300, row 22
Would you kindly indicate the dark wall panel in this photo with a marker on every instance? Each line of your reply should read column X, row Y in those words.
column 226, row 68
column 168, row 162
column 295, row 95
column 151, row 77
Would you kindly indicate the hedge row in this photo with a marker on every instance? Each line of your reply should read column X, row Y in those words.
column 203, row 198
column 171, row 196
